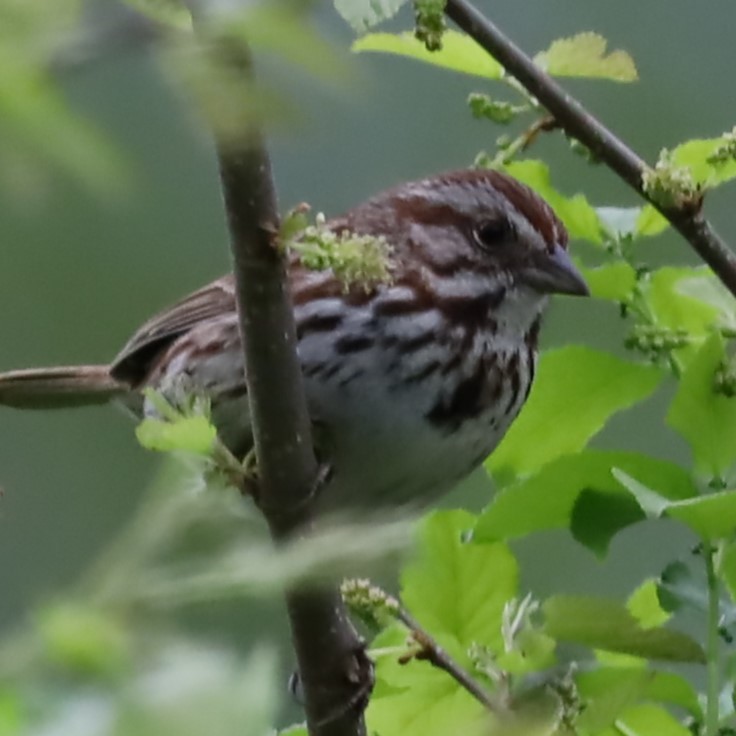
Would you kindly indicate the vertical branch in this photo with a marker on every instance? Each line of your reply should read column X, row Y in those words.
column 335, row 675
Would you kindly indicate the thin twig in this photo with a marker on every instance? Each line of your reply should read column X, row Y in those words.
column 336, row 676
column 579, row 123
column 433, row 653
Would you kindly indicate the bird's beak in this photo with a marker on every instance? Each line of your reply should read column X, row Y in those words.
column 555, row 273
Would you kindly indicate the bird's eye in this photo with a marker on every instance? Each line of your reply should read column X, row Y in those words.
column 492, row 233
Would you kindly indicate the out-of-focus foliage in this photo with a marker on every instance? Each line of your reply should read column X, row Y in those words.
column 96, row 662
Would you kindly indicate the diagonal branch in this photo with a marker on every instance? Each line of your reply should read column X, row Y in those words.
column 576, row 121
column 335, row 675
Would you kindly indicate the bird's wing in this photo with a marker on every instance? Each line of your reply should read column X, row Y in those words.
column 133, row 362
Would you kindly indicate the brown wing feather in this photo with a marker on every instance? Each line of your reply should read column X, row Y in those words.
column 134, row 361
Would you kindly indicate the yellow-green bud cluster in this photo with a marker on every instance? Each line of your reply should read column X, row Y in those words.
column 372, row 604
column 429, row 22
column 654, row 341
column 670, row 185
column 726, row 151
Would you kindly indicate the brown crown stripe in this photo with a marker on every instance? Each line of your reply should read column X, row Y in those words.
column 537, row 212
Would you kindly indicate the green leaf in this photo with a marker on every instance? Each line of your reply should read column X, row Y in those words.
column 697, row 155
column 703, row 286
column 677, row 302
column 707, row 420
column 607, row 624
column 645, row 607
column 363, row 14
column 576, row 392
column 611, row 690
column 612, row 281
column 584, row 55
column 459, row 52
column 189, row 434
column 651, row 222
column 647, row 719
column 712, row 516
column 459, row 588
column 598, row 516
column 547, row 499
column 578, row 215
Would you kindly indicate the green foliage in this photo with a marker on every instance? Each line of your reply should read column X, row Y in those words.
column 104, row 652
column 459, row 53
column 584, row 55
column 576, row 392
column 429, row 17
column 362, row 261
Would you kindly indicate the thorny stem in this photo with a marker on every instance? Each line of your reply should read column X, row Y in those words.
column 577, row 122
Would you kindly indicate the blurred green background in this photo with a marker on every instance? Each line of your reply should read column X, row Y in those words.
column 80, row 272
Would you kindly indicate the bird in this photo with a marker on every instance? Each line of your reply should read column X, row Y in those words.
column 412, row 381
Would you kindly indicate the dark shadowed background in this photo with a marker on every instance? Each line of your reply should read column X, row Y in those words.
column 79, row 273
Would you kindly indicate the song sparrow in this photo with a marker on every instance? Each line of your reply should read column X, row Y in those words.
column 415, row 381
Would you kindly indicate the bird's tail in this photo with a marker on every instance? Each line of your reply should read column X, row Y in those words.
column 57, row 388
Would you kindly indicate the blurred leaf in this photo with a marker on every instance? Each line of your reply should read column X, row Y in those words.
column 610, row 690
column 611, row 281
column 578, row 215
column 11, row 713
column 607, row 624
column 296, row 730
column 83, row 640
column 584, row 55
column 547, row 499
column 647, row 719
column 576, row 392
column 607, row 692
column 458, row 588
column 707, row 420
column 39, row 131
column 286, row 31
column 212, row 72
column 363, row 14
column 173, row 13
column 193, row 434
column 459, row 52
column 193, row 692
